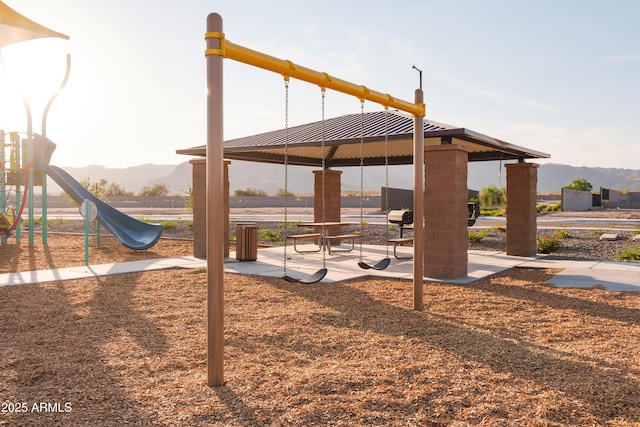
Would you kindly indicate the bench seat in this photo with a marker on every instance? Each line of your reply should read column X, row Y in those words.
column 400, row 241
column 308, row 236
column 339, row 238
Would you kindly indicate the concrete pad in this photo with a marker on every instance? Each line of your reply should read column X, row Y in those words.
column 619, row 276
column 608, row 279
column 609, row 236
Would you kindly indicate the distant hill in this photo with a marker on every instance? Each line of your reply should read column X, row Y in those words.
column 132, row 178
column 270, row 178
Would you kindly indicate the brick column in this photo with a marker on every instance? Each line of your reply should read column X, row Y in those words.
column 199, row 194
column 199, row 190
column 522, row 181
column 226, row 208
column 332, row 195
column 445, row 211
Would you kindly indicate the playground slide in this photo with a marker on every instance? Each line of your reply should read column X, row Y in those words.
column 132, row 233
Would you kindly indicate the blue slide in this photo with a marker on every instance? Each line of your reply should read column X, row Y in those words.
column 132, row 233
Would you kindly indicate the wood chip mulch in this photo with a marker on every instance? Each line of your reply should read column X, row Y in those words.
column 131, row 349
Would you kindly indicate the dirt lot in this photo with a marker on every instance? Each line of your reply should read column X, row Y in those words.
column 131, row 349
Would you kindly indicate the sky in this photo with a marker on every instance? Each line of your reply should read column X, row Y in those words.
column 560, row 77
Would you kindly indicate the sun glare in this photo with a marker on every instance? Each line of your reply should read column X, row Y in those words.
column 33, row 69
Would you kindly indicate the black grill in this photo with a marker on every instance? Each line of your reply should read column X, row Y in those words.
column 400, row 217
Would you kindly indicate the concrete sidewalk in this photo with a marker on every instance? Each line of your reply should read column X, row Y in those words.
column 82, row 272
column 617, row 276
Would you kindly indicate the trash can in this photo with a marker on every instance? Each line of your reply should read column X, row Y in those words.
column 246, row 242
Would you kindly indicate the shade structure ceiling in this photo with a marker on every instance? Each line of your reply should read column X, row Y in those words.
column 15, row 28
column 376, row 136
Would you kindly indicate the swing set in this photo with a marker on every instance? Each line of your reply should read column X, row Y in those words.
column 219, row 48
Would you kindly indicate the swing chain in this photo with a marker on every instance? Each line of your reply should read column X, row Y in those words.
column 386, row 175
column 361, row 175
column 286, row 167
column 323, row 90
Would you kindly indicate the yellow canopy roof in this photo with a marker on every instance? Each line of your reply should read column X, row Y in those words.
column 16, row 28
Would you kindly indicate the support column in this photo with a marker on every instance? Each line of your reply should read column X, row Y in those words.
column 332, row 196
column 522, row 181
column 199, row 196
column 215, row 199
column 445, row 212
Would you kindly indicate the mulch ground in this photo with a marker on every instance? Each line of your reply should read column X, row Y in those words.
column 131, row 349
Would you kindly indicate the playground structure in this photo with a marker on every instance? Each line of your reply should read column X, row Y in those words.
column 25, row 158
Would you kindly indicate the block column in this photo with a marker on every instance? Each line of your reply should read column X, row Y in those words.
column 522, row 182
column 332, row 196
column 199, row 195
column 445, row 212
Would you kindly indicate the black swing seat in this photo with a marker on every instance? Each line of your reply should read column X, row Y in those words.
column 380, row 265
column 314, row 278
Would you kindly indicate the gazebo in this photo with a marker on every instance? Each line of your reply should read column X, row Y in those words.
column 448, row 149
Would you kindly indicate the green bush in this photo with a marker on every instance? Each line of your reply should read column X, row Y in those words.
column 249, row 192
column 548, row 208
column 631, row 254
column 561, row 234
column 271, row 236
column 169, row 225
column 495, row 211
column 546, row 245
column 500, row 227
column 476, row 236
column 492, row 196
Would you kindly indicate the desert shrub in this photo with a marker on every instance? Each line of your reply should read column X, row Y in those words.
column 282, row 193
column 169, row 225
column 476, row 236
column 188, row 199
column 631, row 254
column 249, row 192
column 560, row 234
column 156, row 190
column 546, row 245
column 58, row 221
column 145, row 219
column 189, row 224
column 493, row 211
column 271, row 236
column 500, row 227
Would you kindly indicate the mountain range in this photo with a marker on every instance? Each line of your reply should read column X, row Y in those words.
column 270, row 178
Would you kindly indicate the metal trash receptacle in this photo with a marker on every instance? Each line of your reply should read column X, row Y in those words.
column 246, row 242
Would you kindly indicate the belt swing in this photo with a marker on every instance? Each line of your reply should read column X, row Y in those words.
column 321, row 273
column 383, row 263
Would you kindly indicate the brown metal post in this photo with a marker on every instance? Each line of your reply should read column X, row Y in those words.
column 215, row 215
column 418, row 205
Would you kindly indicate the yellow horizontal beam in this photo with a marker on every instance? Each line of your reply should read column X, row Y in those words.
column 324, row 80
